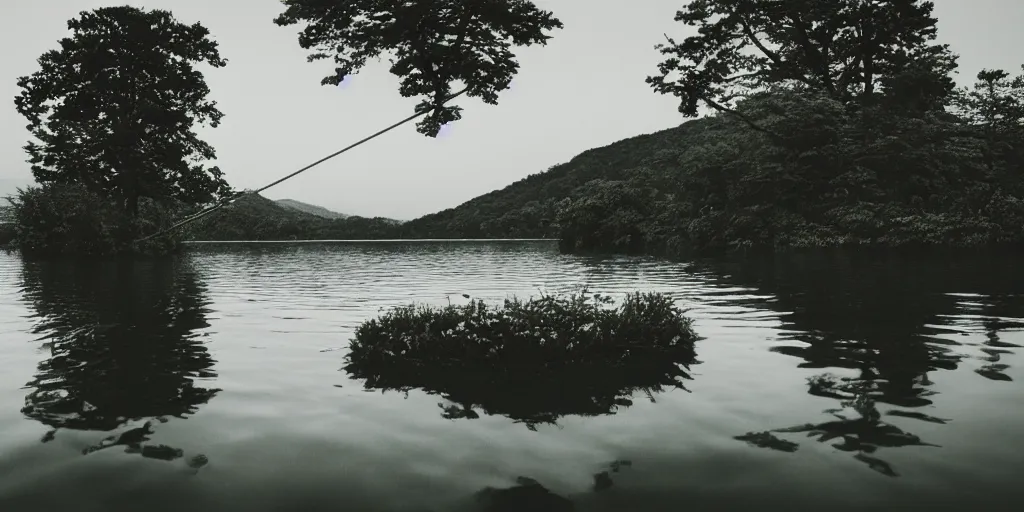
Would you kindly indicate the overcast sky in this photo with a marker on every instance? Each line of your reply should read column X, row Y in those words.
column 585, row 89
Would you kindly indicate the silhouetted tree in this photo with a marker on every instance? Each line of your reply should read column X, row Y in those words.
column 996, row 101
column 113, row 108
column 994, row 107
column 852, row 49
column 431, row 44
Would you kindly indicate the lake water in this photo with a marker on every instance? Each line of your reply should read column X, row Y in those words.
column 826, row 382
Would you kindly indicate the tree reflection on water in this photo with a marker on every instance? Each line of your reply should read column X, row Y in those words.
column 124, row 346
column 533, row 398
column 886, row 322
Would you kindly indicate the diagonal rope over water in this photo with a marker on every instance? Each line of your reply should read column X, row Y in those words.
column 225, row 202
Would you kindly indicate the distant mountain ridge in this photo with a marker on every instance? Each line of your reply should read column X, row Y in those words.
column 312, row 209
column 254, row 217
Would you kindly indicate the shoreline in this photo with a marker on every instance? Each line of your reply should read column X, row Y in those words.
column 368, row 240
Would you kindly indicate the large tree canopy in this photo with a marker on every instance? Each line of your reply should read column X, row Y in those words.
column 994, row 109
column 853, row 50
column 996, row 101
column 431, row 44
column 114, row 107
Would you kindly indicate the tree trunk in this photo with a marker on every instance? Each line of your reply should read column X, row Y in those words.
column 132, row 205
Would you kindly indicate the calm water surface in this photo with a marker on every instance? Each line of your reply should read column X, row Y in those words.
column 213, row 382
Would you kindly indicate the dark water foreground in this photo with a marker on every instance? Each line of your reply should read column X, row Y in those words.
column 212, row 382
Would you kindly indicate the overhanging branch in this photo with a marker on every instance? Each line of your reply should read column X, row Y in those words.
column 742, row 117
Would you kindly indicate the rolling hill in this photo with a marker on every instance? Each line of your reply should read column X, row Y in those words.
column 313, row 209
column 715, row 183
column 527, row 208
column 254, row 217
column 524, row 209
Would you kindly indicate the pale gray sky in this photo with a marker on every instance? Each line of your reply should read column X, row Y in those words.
column 585, row 89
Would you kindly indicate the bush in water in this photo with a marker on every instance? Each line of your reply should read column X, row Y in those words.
column 533, row 360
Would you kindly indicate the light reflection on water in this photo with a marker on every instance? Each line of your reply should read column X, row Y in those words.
column 212, row 382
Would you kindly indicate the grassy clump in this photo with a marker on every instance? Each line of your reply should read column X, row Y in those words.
column 532, row 360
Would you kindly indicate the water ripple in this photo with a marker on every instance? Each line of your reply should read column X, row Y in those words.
column 820, row 378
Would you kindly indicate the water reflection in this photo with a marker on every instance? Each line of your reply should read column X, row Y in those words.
column 890, row 322
column 529, row 494
column 535, row 396
column 123, row 346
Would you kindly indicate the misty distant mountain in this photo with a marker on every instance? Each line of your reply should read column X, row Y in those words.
column 312, row 209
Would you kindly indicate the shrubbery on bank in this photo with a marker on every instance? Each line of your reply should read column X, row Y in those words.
column 7, row 232
column 68, row 220
column 817, row 176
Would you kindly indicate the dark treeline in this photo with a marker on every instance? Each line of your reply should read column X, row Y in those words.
column 112, row 110
column 254, row 217
column 833, row 123
column 846, row 129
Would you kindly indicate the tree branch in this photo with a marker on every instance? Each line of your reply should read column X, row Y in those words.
column 742, row 117
column 773, row 56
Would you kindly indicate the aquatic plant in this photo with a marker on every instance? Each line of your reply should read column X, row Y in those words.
column 532, row 360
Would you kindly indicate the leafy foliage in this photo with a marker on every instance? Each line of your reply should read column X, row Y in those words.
column 7, row 236
column 113, row 109
column 7, row 226
column 607, row 215
column 833, row 129
column 430, row 43
column 529, row 207
column 534, row 360
column 822, row 176
column 837, row 125
column 994, row 109
column 70, row 220
column 850, row 49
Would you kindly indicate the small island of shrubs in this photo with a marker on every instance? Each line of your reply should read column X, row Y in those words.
column 70, row 220
column 530, row 360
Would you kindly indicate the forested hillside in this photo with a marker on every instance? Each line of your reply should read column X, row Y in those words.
column 810, row 174
column 254, row 217
column 838, row 123
column 528, row 208
column 313, row 209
